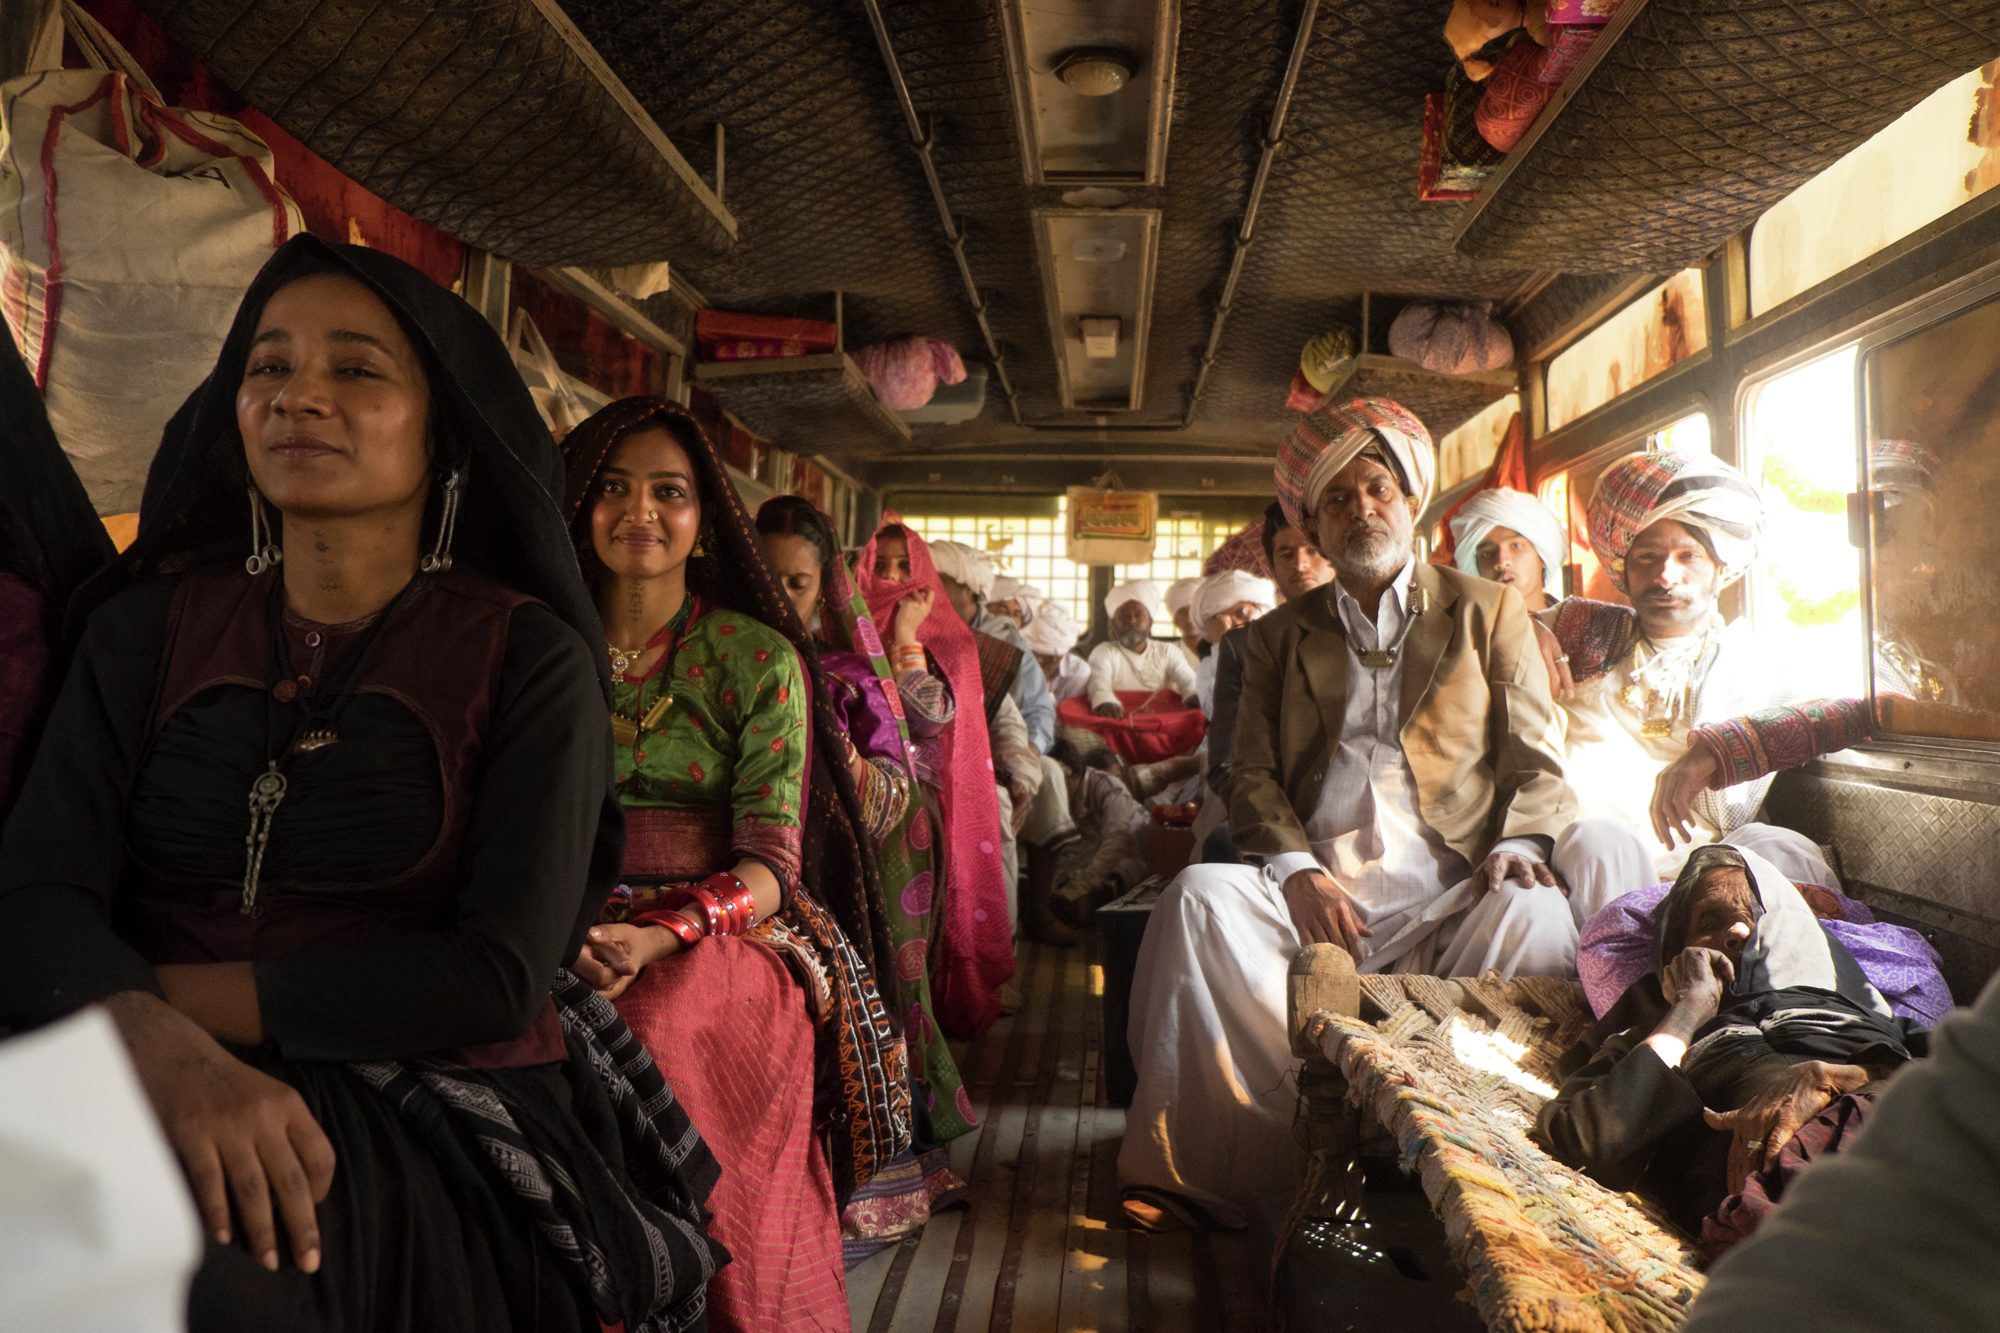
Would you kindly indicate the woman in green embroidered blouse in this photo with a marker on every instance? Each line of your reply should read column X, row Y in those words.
column 713, row 724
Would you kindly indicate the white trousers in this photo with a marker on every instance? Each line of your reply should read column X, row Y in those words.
column 1212, row 1116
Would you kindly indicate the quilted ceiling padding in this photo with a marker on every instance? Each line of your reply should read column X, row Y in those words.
column 828, row 194
column 1707, row 112
column 473, row 115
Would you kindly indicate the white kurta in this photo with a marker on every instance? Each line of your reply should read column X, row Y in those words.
column 1613, row 766
column 1163, row 666
column 1211, row 1118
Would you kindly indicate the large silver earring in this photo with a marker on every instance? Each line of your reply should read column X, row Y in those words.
column 264, row 549
column 439, row 560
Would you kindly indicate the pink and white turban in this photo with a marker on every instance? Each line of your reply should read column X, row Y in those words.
column 1327, row 439
column 1699, row 490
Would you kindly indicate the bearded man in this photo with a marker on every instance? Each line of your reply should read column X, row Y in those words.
column 1134, row 659
column 1398, row 772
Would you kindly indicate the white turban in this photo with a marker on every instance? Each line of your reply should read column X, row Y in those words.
column 963, row 564
column 1006, row 588
column 1052, row 632
column 1221, row 591
column 1180, row 593
column 1143, row 591
column 1487, row 510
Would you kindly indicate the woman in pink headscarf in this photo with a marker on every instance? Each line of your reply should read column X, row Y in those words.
column 972, row 950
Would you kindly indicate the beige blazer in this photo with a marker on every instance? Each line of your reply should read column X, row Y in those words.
column 1476, row 719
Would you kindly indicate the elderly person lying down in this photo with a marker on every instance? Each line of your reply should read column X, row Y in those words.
column 1755, row 1045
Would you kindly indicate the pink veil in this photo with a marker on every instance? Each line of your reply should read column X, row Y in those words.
column 973, row 952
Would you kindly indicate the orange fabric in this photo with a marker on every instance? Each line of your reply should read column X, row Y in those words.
column 727, row 1025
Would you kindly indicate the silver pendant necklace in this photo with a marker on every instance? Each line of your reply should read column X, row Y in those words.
column 1386, row 657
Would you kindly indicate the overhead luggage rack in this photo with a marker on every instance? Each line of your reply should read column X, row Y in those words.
column 817, row 404
column 1442, row 402
column 1689, row 118
column 492, row 120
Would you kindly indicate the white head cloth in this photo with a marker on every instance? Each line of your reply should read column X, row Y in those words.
column 1052, row 632
column 1181, row 593
column 1143, row 591
column 1006, row 588
column 973, row 568
column 1523, row 513
column 1221, row 591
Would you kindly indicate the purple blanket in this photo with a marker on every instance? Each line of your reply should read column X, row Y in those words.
column 1616, row 949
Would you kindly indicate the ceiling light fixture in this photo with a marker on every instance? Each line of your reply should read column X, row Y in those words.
column 1094, row 71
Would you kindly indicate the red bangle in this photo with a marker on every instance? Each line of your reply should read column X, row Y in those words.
column 699, row 895
column 687, row 931
column 738, row 903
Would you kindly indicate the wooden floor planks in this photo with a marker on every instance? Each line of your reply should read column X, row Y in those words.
column 1041, row 1246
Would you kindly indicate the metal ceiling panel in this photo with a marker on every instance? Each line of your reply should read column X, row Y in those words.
column 1097, row 264
column 1067, row 137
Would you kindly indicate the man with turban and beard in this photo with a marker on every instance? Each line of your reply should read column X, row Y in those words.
column 1134, row 659
column 1397, row 770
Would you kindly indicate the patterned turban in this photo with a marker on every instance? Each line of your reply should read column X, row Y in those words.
column 964, row 564
column 1221, row 591
column 1484, row 511
column 1326, row 440
column 1052, row 631
column 1696, row 489
column 1143, row 591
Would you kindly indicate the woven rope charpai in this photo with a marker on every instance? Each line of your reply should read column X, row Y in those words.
column 1706, row 112
column 1455, row 1071
column 473, row 115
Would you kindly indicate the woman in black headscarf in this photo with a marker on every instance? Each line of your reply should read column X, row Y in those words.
column 50, row 542
column 321, row 826
column 1753, row 1021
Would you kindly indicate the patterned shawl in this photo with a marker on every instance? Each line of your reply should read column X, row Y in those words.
column 973, row 953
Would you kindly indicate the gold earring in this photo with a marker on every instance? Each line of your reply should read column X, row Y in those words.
column 699, row 549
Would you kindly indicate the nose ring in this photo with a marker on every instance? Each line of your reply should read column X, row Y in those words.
column 651, row 515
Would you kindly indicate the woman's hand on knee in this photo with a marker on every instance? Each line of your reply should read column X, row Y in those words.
column 239, row 1132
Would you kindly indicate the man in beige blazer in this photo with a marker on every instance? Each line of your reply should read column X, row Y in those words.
column 1397, row 771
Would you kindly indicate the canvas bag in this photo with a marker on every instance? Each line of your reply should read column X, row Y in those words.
column 129, row 231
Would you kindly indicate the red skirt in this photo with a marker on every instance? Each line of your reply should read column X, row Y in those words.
column 727, row 1025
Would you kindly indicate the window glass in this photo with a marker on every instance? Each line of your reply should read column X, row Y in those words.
column 1934, row 157
column 1469, row 450
column 1933, row 470
column 1646, row 338
column 1805, row 593
column 1030, row 547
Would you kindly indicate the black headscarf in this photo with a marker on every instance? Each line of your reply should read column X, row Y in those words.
column 50, row 537
column 837, row 859
column 196, row 503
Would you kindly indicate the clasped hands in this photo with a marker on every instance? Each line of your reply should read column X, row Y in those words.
column 614, row 954
column 1324, row 914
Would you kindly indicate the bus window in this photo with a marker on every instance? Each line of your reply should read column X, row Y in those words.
column 1933, row 468
column 1805, row 593
column 1646, row 338
column 1934, row 157
column 1028, row 546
